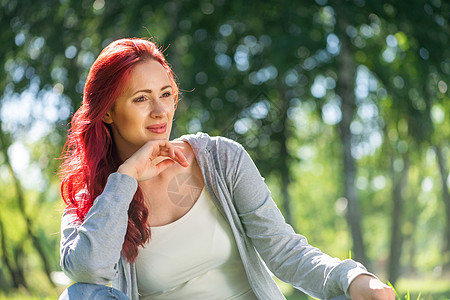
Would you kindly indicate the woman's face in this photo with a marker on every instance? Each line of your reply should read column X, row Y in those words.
column 144, row 109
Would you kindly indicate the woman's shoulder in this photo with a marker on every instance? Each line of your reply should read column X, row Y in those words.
column 224, row 153
column 201, row 140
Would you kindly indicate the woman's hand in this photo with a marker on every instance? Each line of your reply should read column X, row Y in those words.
column 365, row 287
column 141, row 165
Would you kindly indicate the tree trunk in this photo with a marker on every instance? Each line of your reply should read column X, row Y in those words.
column 442, row 164
column 414, row 210
column 399, row 183
column 446, row 198
column 17, row 277
column 411, row 269
column 284, row 155
column 21, row 202
column 344, row 88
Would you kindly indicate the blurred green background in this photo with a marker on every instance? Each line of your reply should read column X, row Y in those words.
column 343, row 105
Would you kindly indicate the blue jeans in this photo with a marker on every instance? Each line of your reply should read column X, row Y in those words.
column 90, row 291
column 341, row 297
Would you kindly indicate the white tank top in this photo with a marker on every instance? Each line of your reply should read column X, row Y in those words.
column 195, row 257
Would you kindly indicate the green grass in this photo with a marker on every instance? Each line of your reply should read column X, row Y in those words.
column 423, row 288
column 406, row 289
column 47, row 293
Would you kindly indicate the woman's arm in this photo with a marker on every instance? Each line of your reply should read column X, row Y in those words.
column 90, row 251
column 287, row 254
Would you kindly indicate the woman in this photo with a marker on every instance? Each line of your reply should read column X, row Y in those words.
column 183, row 219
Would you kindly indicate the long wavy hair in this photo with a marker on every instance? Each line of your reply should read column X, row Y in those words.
column 89, row 155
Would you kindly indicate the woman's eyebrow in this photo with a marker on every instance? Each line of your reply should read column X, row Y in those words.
column 150, row 91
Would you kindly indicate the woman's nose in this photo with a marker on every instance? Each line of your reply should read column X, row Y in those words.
column 157, row 110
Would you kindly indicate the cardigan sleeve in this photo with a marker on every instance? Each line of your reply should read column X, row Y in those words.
column 90, row 250
column 287, row 254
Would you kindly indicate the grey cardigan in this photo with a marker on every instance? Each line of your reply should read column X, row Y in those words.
column 91, row 250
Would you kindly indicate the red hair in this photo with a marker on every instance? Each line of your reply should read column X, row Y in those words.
column 89, row 155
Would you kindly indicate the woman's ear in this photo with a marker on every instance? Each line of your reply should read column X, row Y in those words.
column 107, row 118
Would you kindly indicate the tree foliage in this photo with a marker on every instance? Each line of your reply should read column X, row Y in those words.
column 343, row 105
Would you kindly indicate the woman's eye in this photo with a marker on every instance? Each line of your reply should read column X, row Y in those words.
column 140, row 99
column 167, row 94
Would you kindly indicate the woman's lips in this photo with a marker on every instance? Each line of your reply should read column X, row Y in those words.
column 157, row 128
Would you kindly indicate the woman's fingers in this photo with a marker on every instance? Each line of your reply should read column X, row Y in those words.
column 164, row 165
column 153, row 158
column 169, row 150
column 180, row 158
